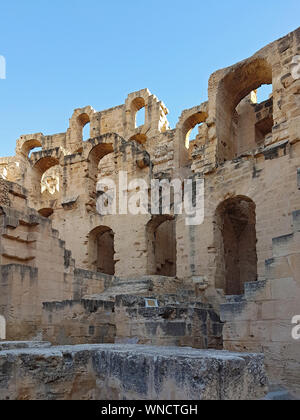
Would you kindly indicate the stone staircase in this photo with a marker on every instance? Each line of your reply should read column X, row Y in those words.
column 123, row 287
column 26, row 237
column 146, row 286
column 34, row 264
column 285, row 262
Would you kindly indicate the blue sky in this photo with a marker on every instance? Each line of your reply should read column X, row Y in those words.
column 66, row 54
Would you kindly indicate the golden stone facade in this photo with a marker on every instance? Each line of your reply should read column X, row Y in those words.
column 72, row 276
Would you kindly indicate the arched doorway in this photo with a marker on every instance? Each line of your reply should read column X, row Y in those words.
column 235, row 241
column 161, row 237
column 101, row 250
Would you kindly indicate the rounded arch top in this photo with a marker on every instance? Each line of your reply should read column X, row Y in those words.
column 28, row 142
column 82, row 116
column 243, row 78
column 99, row 230
column 188, row 120
column 107, row 143
column 44, row 160
column 233, row 85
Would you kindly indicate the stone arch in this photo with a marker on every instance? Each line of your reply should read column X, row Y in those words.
column 2, row 328
column 101, row 250
column 94, row 150
column 136, row 105
column 235, row 242
column 80, row 118
column 161, row 245
column 30, row 145
column 188, row 120
column 190, row 123
column 155, row 115
column 83, row 120
column 41, row 162
column 235, row 86
column 106, row 141
column 29, row 142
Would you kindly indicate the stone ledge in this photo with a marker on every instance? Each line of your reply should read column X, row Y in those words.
column 132, row 372
column 15, row 345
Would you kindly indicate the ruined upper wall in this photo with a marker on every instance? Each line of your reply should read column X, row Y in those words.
column 61, row 178
column 218, row 137
column 227, row 87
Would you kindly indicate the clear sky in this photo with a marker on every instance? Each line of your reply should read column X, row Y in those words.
column 65, row 54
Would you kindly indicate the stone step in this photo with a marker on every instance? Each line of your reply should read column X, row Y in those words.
column 141, row 287
column 16, row 345
column 283, row 267
column 286, row 245
column 234, row 298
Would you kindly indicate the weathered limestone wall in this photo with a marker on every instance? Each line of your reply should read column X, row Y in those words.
column 103, row 317
column 19, row 301
column 170, row 323
column 79, row 322
column 270, row 181
column 244, row 151
column 35, row 266
column 261, row 319
column 232, row 161
column 106, row 372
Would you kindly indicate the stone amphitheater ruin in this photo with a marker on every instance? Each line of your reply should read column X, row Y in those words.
column 146, row 306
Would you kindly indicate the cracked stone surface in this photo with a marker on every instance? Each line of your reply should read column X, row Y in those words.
column 108, row 372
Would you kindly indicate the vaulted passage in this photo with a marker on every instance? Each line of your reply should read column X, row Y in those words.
column 161, row 246
column 101, row 250
column 243, row 124
column 105, row 260
column 236, row 233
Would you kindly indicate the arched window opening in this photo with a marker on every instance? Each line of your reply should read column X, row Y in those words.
column 138, row 111
column 244, row 111
column 140, row 117
column 34, row 150
column 31, row 146
column 192, row 134
column 235, row 241
column 193, row 127
column 44, row 179
column 96, row 154
column 253, row 120
column 85, row 126
column 101, row 250
column 86, row 132
column 263, row 109
column 161, row 237
column 2, row 328
column 50, row 182
column 264, row 93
